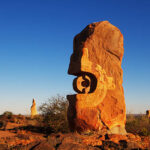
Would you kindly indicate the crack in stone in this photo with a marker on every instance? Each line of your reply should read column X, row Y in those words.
column 113, row 54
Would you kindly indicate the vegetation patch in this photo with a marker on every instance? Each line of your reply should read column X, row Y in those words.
column 138, row 124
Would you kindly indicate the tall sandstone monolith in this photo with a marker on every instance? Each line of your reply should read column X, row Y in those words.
column 33, row 109
column 96, row 61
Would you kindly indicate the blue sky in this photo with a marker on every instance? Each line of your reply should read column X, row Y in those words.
column 36, row 40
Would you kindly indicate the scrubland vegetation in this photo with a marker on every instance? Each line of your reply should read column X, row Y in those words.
column 53, row 119
column 52, row 122
column 54, row 114
column 138, row 124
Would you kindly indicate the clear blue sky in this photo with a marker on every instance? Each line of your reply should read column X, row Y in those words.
column 36, row 40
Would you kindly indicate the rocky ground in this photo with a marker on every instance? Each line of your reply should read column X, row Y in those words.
column 28, row 140
column 94, row 142
column 27, row 134
column 17, row 138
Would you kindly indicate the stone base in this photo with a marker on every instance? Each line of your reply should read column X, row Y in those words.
column 87, row 120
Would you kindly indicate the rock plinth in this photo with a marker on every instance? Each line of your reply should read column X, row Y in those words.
column 96, row 61
column 33, row 109
column 148, row 113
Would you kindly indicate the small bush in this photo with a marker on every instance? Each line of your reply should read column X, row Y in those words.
column 7, row 114
column 54, row 114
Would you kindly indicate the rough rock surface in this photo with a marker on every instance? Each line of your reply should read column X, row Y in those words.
column 96, row 61
column 33, row 108
column 94, row 142
column 74, row 141
column 148, row 113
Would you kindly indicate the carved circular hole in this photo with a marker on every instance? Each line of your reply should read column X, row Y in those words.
column 85, row 83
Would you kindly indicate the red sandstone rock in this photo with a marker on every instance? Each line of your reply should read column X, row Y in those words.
column 96, row 61
column 116, row 138
column 74, row 141
column 44, row 146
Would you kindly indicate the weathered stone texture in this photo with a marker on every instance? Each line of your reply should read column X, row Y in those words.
column 96, row 61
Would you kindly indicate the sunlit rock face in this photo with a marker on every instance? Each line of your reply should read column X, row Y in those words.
column 99, row 104
column 33, row 109
column 148, row 113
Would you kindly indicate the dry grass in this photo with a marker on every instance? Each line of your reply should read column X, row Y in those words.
column 138, row 124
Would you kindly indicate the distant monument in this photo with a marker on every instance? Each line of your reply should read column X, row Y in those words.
column 96, row 61
column 33, row 109
column 148, row 113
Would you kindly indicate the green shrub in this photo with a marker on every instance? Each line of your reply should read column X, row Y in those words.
column 54, row 113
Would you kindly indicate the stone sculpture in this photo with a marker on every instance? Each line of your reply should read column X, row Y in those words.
column 148, row 113
column 33, row 109
column 96, row 61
